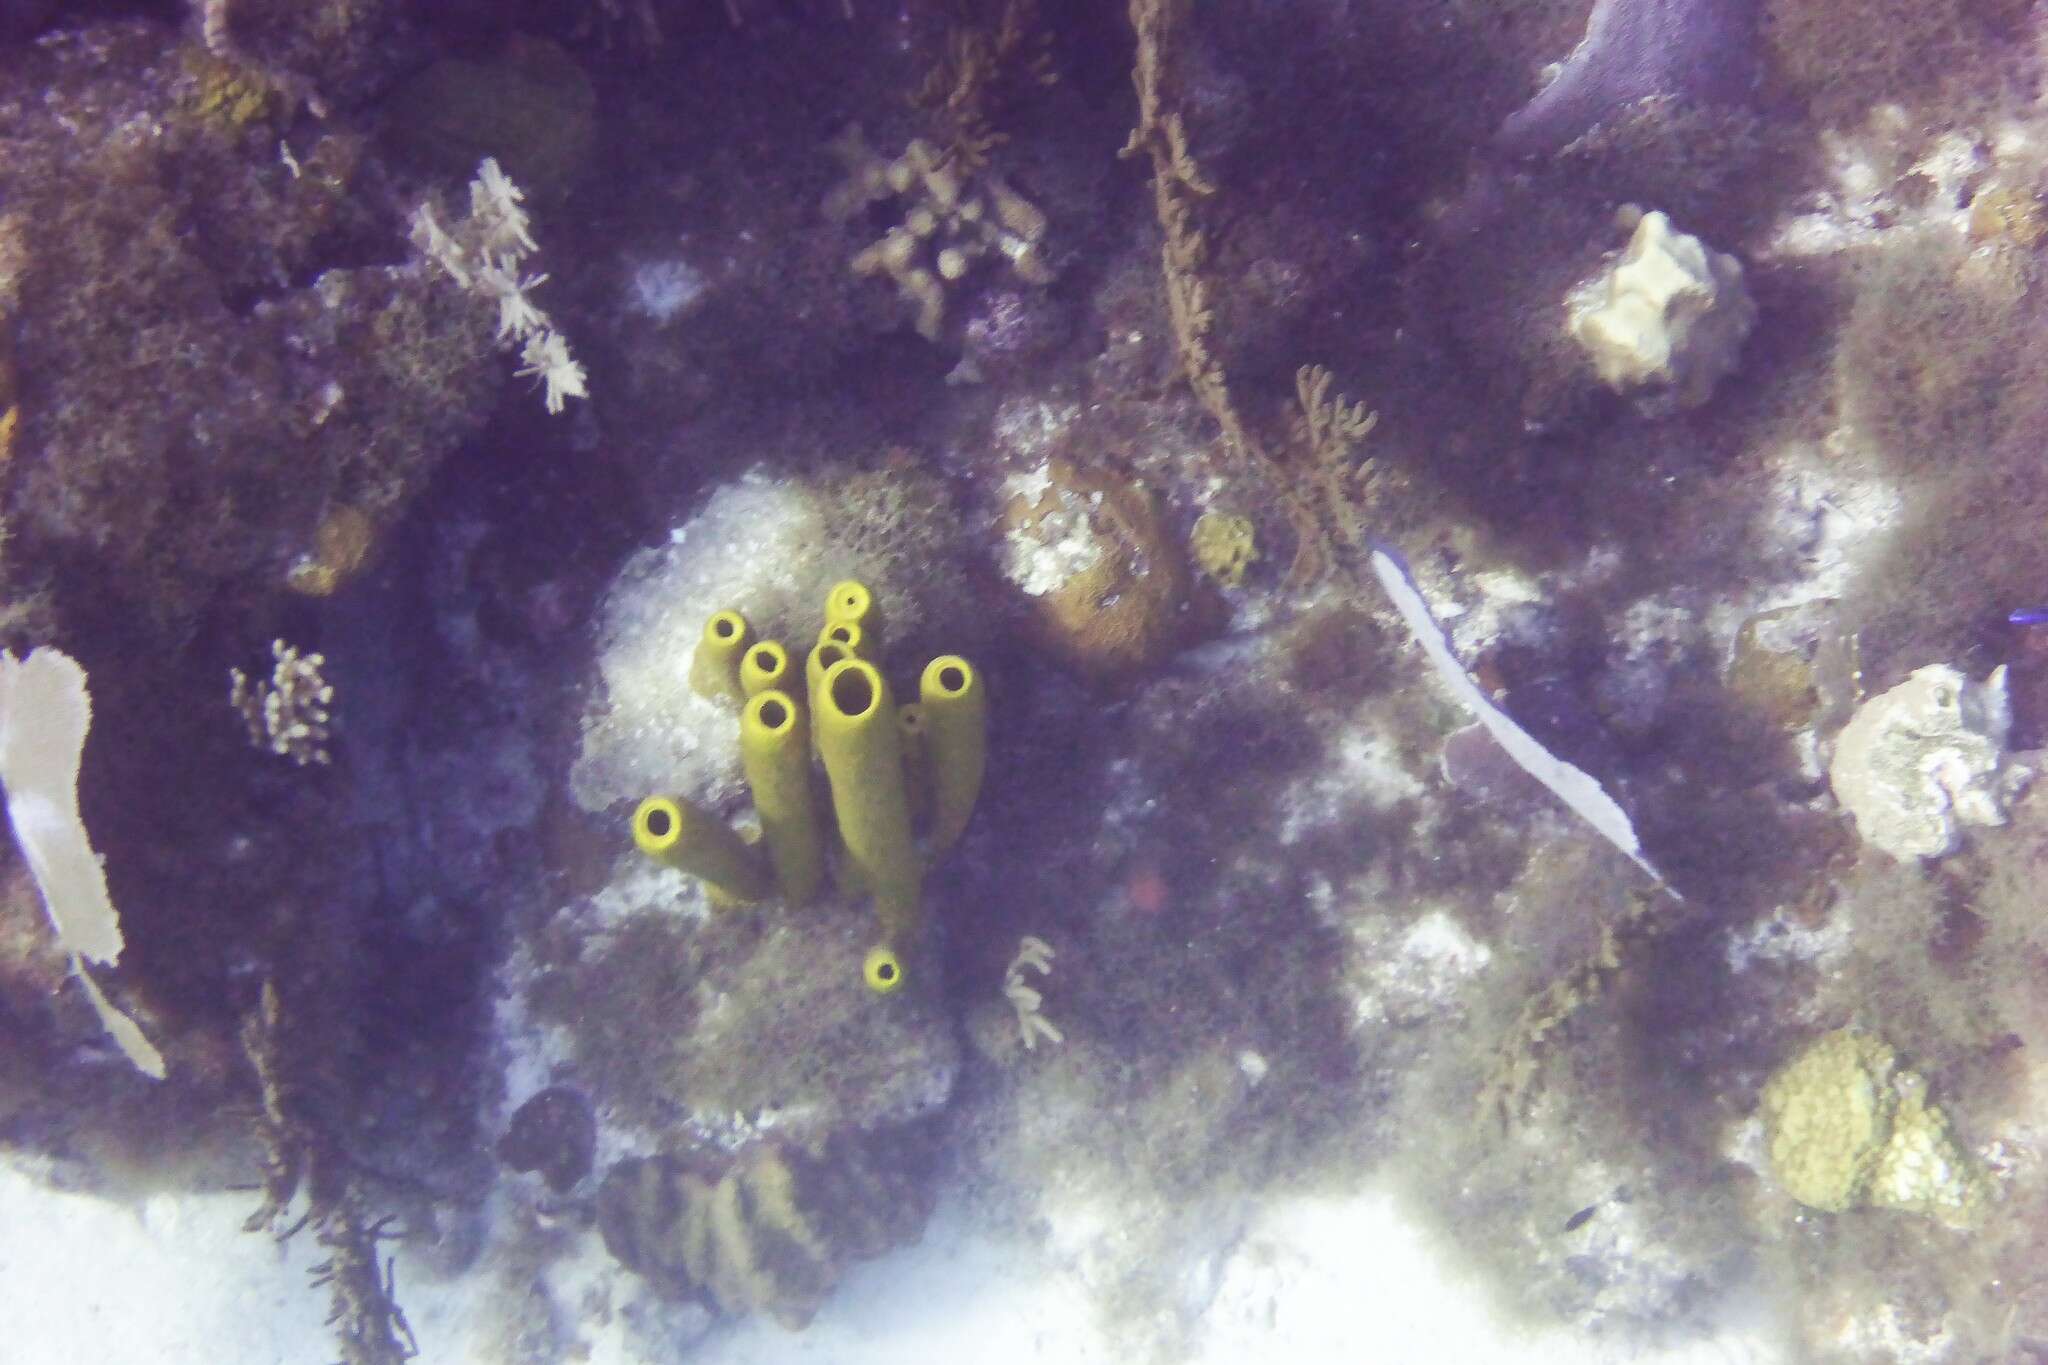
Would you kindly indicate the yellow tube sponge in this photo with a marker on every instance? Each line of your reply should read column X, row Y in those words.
column 917, row 762
column 956, row 738
column 823, row 655
column 857, row 736
column 764, row 666
column 715, row 667
column 851, row 602
column 775, row 749
column 672, row 831
column 882, row 970
column 845, row 633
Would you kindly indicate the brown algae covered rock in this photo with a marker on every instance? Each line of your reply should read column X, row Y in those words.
column 178, row 334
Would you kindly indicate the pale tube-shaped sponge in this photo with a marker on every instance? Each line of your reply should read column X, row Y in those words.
column 670, row 830
column 764, row 665
column 775, row 750
column 956, row 738
column 715, row 667
column 856, row 726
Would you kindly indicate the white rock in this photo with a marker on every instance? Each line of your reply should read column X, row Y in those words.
column 1915, row 763
column 1666, row 321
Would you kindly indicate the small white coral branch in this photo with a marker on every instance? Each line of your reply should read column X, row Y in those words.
column 291, row 714
column 1035, row 954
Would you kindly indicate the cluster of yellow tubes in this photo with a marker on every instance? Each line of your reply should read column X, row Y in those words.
column 890, row 770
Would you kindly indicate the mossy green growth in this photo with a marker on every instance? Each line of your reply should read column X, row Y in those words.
column 1847, row 1128
column 229, row 95
column 1224, row 546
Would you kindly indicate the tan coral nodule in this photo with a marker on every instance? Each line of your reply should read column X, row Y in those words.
column 1123, row 606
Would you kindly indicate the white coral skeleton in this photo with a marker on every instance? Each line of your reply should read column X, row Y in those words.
column 291, row 714
column 1035, row 954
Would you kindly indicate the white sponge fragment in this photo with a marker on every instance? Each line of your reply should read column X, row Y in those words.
column 1917, row 762
column 1667, row 321
column 1574, row 786
column 44, row 714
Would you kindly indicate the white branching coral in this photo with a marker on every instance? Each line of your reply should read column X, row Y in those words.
column 483, row 254
column 290, row 714
column 1035, row 954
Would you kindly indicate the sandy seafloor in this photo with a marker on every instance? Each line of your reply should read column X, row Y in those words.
column 1317, row 1281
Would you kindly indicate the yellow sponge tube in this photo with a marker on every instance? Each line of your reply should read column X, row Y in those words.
column 764, row 666
column 775, row 749
column 851, row 602
column 882, row 970
column 848, row 634
column 857, row 735
column 956, row 739
column 670, row 830
column 917, row 762
column 715, row 667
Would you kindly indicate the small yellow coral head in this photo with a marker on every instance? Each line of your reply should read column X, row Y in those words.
column 882, row 970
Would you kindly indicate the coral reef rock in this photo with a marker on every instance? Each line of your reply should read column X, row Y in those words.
column 1667, row 321
column 1917, row 761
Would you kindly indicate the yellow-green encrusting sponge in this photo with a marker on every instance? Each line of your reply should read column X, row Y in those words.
column 763, row 666
column 956, row 739
column 1847, row 1126
column 675, row 832
column 775, row 750
column 857, row 736
column 715, row 667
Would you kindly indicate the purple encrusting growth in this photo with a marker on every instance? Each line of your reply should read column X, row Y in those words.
column 1696, row 50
